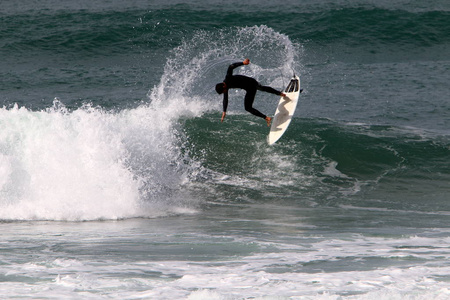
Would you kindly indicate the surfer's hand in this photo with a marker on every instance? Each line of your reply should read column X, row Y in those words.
column 223, row 116
column 246, row 61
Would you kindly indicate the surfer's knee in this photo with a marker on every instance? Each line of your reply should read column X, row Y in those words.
column 248, row 101
column 248, row 106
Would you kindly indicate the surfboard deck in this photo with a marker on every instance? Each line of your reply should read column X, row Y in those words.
column 285, row 110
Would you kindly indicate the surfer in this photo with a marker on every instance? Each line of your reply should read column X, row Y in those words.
column 250, row 85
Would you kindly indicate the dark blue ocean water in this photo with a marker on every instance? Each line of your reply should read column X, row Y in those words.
column 118, row 180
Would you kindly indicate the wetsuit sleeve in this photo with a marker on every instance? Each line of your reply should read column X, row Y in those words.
column 234, row 66
column 229, row 73
column 225, row 101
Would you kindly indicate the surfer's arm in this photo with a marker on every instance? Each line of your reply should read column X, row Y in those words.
column 225, row 104
column 237, row 64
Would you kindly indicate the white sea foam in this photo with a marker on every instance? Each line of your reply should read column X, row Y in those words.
column 89, row 163
column 319, row 268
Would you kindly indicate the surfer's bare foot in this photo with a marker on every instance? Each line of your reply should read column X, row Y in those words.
column 283, row 95
column 268, row 120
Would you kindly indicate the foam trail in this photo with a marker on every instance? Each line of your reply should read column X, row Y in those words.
column 201, row 60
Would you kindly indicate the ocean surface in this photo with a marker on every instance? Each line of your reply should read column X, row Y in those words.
column 118, row 180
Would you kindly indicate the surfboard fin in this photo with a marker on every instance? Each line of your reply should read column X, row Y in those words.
column 292, row 86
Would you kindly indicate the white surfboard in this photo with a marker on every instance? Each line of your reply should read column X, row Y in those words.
column 285, row 110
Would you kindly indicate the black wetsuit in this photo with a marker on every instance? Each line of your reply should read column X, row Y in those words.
column 249, row 84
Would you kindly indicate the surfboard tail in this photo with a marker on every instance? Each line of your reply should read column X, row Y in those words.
column 293, row 86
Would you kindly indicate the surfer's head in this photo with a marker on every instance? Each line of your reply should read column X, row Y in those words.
column 221, row 87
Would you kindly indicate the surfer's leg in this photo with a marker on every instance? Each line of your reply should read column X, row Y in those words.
column 248, row 104
column 269, row 89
